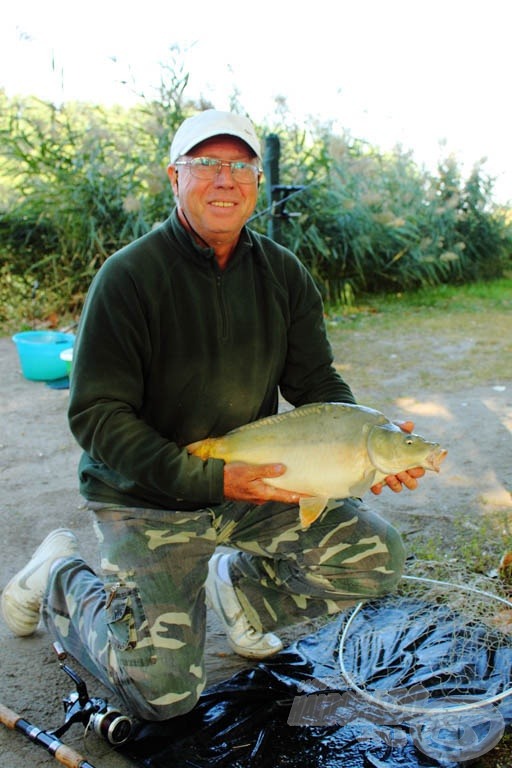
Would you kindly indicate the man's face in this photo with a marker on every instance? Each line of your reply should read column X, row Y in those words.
column 218, row 208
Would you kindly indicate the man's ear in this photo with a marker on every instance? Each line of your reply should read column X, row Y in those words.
column 172, row 173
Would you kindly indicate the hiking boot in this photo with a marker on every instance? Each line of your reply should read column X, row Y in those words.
column 243, row 638
column 23, row 595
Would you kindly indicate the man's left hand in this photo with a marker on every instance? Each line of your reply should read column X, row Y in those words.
column 409, row 478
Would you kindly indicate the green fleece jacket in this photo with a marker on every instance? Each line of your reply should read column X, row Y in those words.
column 171, row 350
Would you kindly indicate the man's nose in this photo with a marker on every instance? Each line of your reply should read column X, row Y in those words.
column 224, row 175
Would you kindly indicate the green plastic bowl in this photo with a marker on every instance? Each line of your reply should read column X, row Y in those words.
column 67, row 356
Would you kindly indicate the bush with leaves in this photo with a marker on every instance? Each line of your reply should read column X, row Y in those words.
column 372, row 222
column 78, row 181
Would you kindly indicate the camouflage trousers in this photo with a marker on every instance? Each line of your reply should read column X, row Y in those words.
column 139, row 624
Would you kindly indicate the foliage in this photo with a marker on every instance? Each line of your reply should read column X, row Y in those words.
column 371, row 222
column 78, row 181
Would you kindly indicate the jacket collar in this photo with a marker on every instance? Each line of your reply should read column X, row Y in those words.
column 204, row 253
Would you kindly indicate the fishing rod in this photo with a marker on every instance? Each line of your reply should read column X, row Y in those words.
column 52, row 744
column 94, row 713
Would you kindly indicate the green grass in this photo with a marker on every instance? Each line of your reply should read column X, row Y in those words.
column 475, row 545
column 471, row 297
column 428, row 341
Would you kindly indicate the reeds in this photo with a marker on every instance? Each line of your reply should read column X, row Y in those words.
column 78, row 181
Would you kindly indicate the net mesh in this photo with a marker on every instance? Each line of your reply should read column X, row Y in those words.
column 433, row 647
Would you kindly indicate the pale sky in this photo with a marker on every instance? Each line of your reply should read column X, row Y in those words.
column 432, row 76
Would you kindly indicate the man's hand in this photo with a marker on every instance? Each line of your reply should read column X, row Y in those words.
column 408, row 478
column 246, row 482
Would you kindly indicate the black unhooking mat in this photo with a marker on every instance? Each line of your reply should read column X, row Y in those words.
column 295, row 710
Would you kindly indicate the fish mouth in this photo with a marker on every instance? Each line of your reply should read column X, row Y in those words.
column 436, row 458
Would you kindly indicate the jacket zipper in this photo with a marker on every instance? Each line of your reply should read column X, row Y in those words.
column 222, row 308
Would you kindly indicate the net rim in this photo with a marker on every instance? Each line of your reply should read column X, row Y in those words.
column 414, row 709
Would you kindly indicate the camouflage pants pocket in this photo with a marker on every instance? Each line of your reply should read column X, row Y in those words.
column 127, row 626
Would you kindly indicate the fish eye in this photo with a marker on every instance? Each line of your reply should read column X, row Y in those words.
column 409, row 441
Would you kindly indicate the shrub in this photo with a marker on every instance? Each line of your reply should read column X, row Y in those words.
column 371, row 222
column 79, row 181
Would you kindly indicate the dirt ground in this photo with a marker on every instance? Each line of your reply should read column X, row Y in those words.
column 38, row 492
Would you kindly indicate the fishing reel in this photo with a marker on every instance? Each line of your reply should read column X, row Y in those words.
column 93, row 712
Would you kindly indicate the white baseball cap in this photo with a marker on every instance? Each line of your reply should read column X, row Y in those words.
column 205, row 125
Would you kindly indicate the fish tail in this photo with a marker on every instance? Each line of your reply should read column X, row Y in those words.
column 202, row 448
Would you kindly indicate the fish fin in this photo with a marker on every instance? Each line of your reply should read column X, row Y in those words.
column 310, row 508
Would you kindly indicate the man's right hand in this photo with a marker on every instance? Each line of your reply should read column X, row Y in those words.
column 246, row 482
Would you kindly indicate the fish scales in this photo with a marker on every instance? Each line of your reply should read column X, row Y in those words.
column 330, row 450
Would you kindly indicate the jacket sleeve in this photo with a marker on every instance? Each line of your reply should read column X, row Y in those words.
column 106, row 398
